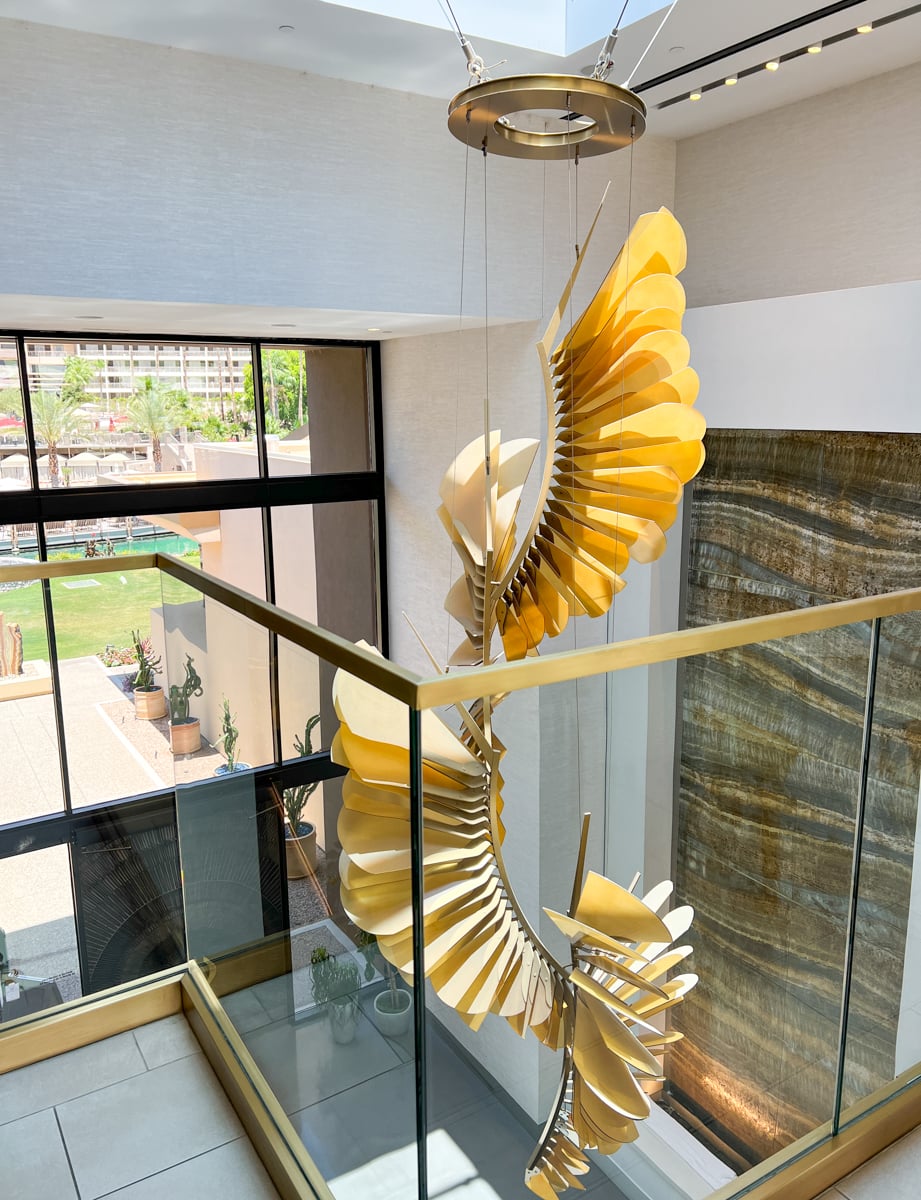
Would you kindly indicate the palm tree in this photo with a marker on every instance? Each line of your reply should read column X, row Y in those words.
column 52, row 419
column 153, row 411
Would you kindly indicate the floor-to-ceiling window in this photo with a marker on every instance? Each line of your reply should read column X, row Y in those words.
column 261, row 465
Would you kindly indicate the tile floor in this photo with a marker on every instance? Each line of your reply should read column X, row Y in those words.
column 892, row 1175
column 139, row 1116
column 354, row 1107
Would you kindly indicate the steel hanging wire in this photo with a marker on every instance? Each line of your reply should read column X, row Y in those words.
column 457, row 398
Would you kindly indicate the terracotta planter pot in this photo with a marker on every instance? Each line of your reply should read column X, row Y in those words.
column 149, row 705
column 307, row 843
column 185, row 738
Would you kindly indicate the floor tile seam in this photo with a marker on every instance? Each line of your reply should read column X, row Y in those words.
column 140, row 1051
column 70, row 1099
column 70, row 1165
column 134, row 1075
column 169, row 1062
column 192, row 1157
column 464, row 1110
column 326, row 1099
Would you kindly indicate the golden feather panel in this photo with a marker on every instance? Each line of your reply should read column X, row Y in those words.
column 627, row 439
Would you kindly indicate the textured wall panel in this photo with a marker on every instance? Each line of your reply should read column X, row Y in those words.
column 770, row 761
column 810, row 197
column 135, row 171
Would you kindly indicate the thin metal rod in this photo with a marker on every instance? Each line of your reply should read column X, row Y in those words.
column 418, row 881
column 859, row 820
column 651, row 44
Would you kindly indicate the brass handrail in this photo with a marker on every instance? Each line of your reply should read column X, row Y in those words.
column 472, row 683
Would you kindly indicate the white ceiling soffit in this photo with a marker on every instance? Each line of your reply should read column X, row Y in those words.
column 68, row 314
column 415, row 49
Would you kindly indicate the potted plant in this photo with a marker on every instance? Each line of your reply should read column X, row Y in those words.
column 228, row 739
column 394, row 1005
column 301, row 835
column 149, row 701
column 335, row 986
column 184, row 730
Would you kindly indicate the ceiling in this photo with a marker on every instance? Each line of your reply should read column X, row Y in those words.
column 408, row 44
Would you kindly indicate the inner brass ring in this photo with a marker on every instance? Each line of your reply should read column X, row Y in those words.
column 475, row 116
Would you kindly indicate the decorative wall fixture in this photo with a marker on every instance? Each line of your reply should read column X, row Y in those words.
column 625, row 439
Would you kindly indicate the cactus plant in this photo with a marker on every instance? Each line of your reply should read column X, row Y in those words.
column 181, row 694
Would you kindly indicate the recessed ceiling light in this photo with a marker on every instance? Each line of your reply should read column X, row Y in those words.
column 676, row 49
column 86, row 317
column 773, row 65
column 816, row 49
column 283, row 325
column 286, row 29
column 694, row 96
column 731, row 80
column 865, row 28
column 374, row 329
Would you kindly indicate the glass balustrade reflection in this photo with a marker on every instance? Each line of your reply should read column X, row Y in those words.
column 216, row 679
column 883, row 1035
column 115, row 746
column 314, row 1005
column 39, row 961
column 29, row 734
column 736, row 774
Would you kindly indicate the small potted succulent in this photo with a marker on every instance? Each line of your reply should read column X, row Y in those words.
column 149, row 701
column 301, row 835
column 228, row 740
column 394, row 1005
column 335, row 985
column 184, row 730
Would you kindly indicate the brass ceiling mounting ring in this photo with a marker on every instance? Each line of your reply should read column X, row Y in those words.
column 484, row 116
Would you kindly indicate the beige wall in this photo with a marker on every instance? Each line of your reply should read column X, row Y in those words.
column 812, row 197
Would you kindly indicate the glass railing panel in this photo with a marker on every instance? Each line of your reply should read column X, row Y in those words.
column 128, row 891
column 113, row 749
column 40, row 965
column 769, row 779
column 217, row 684
column 29, row 738
column 312, row 1007
column 490, row 1089
column 883, row 1036
column 736, row 775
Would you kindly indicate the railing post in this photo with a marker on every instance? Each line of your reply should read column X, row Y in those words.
column 859, row 818
column 418, row 879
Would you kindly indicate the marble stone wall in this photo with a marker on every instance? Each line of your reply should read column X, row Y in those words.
column 769, row 769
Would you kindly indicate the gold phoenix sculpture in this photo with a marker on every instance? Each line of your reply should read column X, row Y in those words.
column 625, row 440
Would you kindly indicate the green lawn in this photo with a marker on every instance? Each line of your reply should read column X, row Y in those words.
column 87, row 619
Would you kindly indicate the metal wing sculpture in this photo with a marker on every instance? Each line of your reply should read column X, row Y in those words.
column 623, row 438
